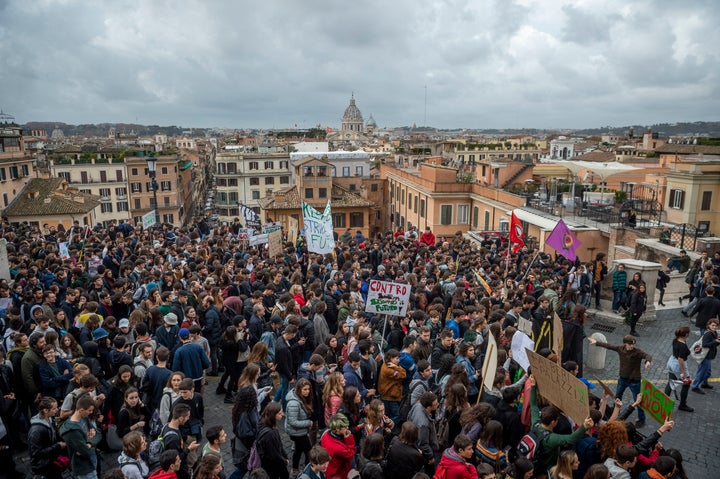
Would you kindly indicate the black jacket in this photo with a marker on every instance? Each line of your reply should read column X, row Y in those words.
column 283, row 358
column 403, row 460
column 212, row 329
column 707, row 308
column 43, row 445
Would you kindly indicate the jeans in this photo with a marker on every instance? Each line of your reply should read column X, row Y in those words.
column 634, row 386
column 674, row 265
column 617, row 299
column 392, row 410
column 585, row 299
column 282, row 391
column 703, row 373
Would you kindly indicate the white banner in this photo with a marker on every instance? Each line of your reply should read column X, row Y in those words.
column 387, row 298
column 64, row 252
column 148, row 220
column 270, row 227
column 318, row 229
column 521, row 342
column 258, row 239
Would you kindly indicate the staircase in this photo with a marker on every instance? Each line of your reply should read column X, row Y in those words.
column 516, row 175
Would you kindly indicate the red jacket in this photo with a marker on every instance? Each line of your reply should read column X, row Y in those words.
column 160, row 474
column 341, row 455
column 452, row 466
column 428, row 238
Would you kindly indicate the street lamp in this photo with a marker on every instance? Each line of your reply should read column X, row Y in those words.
column 152, row 169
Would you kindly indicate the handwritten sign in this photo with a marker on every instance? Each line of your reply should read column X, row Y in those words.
column 520, row 342
column 244, row 234
column 655, row 403
column 318, row 229
column 258, row 240
column 557, row 337
column 525, row 326
column 560, row 387
column 64, row 252
column 490, row 363
column 275, row 245
column 385, row 297
column 148, row 219
column 271, row 227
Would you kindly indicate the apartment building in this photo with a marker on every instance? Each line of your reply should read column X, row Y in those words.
column 16, row 164
column 246, row 178
column 170, row 185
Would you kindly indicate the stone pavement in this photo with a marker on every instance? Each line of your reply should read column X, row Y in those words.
column 695, row 434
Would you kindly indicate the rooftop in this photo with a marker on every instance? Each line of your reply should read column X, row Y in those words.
column 48, row 197
column 340, row 198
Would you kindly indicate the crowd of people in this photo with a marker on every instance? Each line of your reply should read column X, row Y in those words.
column 109, row 351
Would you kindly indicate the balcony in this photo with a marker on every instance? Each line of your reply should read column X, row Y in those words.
column 105, row 199
column 121, row 197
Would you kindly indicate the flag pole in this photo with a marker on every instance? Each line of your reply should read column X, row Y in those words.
column 531, row 263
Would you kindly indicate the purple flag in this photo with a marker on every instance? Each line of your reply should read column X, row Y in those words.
column 563, row 241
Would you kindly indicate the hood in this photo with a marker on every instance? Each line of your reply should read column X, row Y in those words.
column 451, row 454
column 36, row 419
column 90, row 349
column 123, row 459
column 292, row 396
column 16, row 349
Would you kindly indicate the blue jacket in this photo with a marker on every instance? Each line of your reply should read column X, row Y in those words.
column 190, row 358
column 450, row 323
column 471, row 374
column 408, row 364
column 213, row 329
column 54, row 384
column 166, row 338
column 352, row 378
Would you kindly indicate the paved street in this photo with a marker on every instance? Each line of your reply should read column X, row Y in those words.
column 695, row 434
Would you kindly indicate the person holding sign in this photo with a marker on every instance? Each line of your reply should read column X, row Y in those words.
column 630, row 368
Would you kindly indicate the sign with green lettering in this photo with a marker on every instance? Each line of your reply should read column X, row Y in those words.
column 655, row 403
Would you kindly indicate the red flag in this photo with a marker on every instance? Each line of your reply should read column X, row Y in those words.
column 328, row 129
column 517, row 234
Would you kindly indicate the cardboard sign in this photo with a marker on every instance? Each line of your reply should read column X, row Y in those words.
column 490, row 363
column 607, row 390
column 293, row 230
column 655, row 403
column 525, row 326
column 557, row 337
column 560, row 387
column 275, row 244
column 521, row 342
column 148, row 219
column 318, row 229
column 244, row 234
column 271, row 227
column 385, row 297
column 258, row 239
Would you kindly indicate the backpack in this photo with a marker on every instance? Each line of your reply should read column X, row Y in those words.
column 157, row 447
column 530, row 445
column 697, row 351
column 405, row 404
column 136, row 464
column 254, row 461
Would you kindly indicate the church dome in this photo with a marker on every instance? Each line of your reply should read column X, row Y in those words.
column 352, row 113
column 371, row 122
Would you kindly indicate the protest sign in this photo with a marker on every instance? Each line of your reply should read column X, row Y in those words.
column 258, row 239
column 560, row 387
column 64, row 252
column 607, row 390
column 520, row 342
column 244, row 234
column 490, row 363
column 387, row 298
column 271, row 227
column 293, row 230
column 557, row 337
column 275, row 246
column 318, row 229
column 655, row 403
column 525, row 326
column 148, row 219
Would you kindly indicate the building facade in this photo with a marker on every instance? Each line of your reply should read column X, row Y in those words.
column 16, row 165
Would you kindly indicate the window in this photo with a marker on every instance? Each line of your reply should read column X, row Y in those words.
column 338, row 220
column 118, row 175
column 374, row 188
column 168, row 218
column 25, row 170
column 322, row 193
column 122, row 205
column 268, row 192
column 359, row 170
column 346, row 171
column 422, row 208
column 270, row 180
column 352, row 187
column 463, row 212
column 255, row 195
column 356, row 220
column 308, row 192
column 483, row 170
column 487, row 221
column 254, row 181
column 165, row 186
column 5, row 199
column 103, row 176
column 284, row 180
column 706, row 200
column 83, row 175
column 221, row 182
column 232, row 182
column 65, row 175
column 137, row 203
column 476, row 217
column 120, row 192
column 269, row 165
column 322, row 171
column 392, row 191
column 136, row 187
column 105, row 192
column 233, row 197
column 307, row 171
column 87, row 192
column 153, row 203
column 676, row 199
column 163, row 170
column 106, row 207
column 402, row 197
column 415, row 204
column 283, row 165
column 221, row 168
column 231, row 168
column 166, row 201
column 133, row 171
column 504, row 225
column 446, row 214
column 148, row 186
column 253, row 165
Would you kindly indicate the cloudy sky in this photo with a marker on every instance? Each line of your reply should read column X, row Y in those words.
column 278, row 63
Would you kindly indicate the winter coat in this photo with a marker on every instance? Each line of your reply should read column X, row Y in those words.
column 455, row 467
column 341, row 452
column 297, row 417
column 371, row 470
column 403, row 460
column 43, row 444
column 212, row 329
column 427, row 436
column 390, row 382
column 166, row 403
column 353, row 378
column 270, row 447
column 190, row 358
column 619, row 280
column 166, row 338
column 30, row 375
column 133, row 468
column 54, row 382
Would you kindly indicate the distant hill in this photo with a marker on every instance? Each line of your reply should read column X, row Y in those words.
column 102, row 129
column 698, row 128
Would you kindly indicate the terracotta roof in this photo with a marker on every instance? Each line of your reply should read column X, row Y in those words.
column 688, row 149
column 340, row 198
column 597, row 155
column 47, row 197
